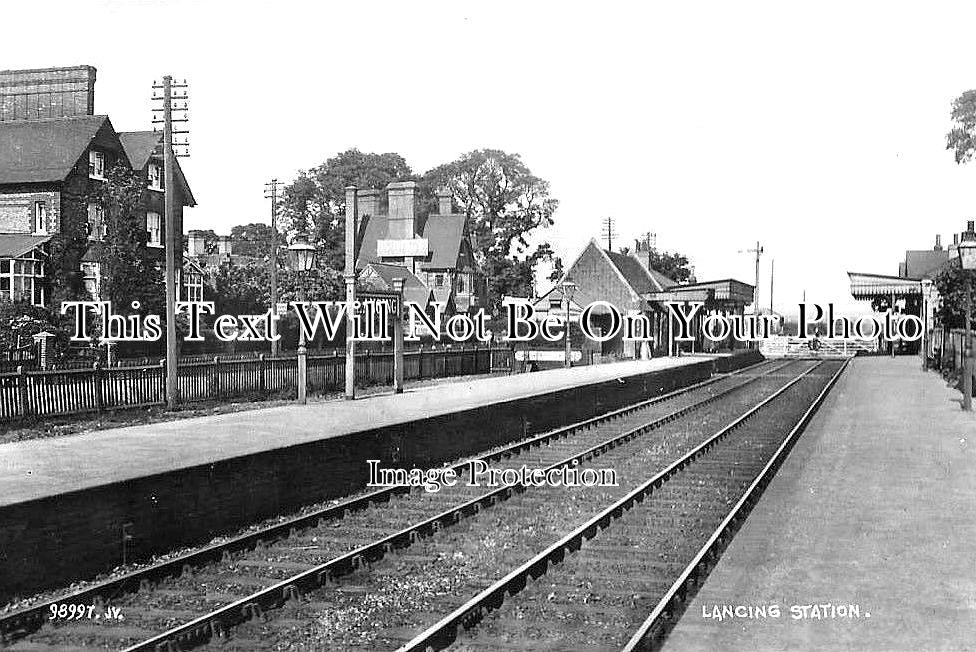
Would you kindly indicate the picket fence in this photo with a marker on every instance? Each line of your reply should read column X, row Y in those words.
column 28, row 393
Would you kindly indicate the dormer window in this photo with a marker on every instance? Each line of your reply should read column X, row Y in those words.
column 96, row 164
column 155, row 173
column 39, row 217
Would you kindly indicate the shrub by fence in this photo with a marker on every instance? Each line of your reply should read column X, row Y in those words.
column 29, row 393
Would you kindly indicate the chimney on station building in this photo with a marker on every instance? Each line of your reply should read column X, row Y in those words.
column 369, row 202
column 400, row 218
column 445, row 202
column 47, row 93
column 938, row 243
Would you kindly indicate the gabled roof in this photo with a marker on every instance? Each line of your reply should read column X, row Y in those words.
column 14, row 245
column 445, row 234
column 45, row 151
column 372, row 229
column 924, row 263
column 139, row 146
column 637, row 275
column 414, row 290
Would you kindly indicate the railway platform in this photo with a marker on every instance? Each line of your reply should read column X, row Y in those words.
column 79, row 505
column 864, row 539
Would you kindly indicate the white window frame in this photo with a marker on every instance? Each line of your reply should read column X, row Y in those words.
column 39, row 217
column 154, row 173
column 96, row 164
column 31, row 282
column 194, row 287
column 152, row 231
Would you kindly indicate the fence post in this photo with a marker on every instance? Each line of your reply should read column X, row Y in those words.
column 97, row 381
column 162, row 381
column 22, row 389
column 261, row 384
column 217, row 376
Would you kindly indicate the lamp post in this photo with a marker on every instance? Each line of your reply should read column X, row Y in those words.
column 967, row 260
column 568, row 288
column 301, row 255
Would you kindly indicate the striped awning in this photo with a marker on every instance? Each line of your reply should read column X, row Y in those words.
column 869, row 286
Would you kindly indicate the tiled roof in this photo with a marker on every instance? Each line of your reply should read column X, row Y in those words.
column 139, row 146
column 44, row 151
column 413, row 288
column 639, row 277
column 13, row 245
column 924, row 263
column 444, row 233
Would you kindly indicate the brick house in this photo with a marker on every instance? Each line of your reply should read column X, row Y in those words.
column 433, row 255
column 51, row 229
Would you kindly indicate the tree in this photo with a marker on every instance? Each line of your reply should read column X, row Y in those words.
column 673, row 265
column 316, row 200
column 961, row 139
column 127, row 274
column 505, row 204
column 953, row 282
column 254, row 239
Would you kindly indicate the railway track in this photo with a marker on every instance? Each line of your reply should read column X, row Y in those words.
column 189, row 600
column 646, row 553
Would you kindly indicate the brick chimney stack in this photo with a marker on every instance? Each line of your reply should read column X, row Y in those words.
column 445, row 202
column 938, row 243
column 224, row 245
column 196, row 243
column 369, row 202
column 401, row 215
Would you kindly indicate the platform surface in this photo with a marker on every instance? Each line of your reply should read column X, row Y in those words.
column 875, row 507
column 44, row 467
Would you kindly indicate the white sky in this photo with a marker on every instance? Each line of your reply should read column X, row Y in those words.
column 818, row 129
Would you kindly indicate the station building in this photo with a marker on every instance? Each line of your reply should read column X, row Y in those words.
column 54, row 152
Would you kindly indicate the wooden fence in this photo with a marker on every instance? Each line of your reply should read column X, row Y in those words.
column 28, row 393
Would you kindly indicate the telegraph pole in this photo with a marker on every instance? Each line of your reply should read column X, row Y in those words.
column 169, row 183
column 772, row 268
column 271, row 192
column 608, row 232
column 755, row 290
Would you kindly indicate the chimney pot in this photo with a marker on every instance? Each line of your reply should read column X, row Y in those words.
column 970, row 225
column 938, row 242
column 955, row 239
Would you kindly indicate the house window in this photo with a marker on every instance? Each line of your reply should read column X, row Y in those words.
column 438, row 280
column 155, row 172
column 39, row 217
column 22, row 280
column 92, row 275
column 194, row 287
column 461, row 284
column 96, row 222
column 96, row 164
column 153, row 225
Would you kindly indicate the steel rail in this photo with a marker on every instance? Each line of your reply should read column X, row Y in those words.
column 698, row 568
column 216, row 622
column 21, row 622
column 443, row 633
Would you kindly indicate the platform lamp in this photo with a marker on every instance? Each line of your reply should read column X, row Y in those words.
column 568, row 288
column 967, row 260
column 301, row 257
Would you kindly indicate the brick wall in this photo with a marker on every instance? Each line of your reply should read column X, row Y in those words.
column 16, row 211
column 49, row 543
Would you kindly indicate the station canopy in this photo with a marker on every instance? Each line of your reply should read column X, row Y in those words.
column 871, row 286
